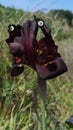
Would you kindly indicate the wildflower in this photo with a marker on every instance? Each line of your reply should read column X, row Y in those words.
column 42, row 55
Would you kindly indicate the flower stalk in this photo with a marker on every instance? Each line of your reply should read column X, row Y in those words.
column 42, row 93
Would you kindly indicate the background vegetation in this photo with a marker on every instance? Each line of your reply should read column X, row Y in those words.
column 20, row 105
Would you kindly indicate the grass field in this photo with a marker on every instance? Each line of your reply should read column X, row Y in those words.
column 23, row 104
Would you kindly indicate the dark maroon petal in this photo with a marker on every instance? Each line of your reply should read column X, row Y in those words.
column 16, row 49
column 17, row 70
column 13, row 33
column 30, row 31
column 51, row 70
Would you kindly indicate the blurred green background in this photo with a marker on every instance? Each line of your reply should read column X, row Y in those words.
column 19, row 97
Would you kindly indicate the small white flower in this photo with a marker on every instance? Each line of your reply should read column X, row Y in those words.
column 40, row 23
column 11, row 28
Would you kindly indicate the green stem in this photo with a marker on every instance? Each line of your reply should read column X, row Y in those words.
column 42, row 93
column 43, row 116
